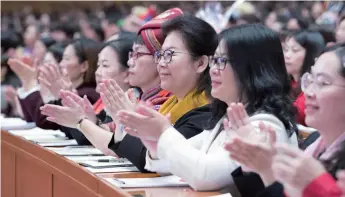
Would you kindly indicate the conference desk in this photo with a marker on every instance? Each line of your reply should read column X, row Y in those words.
column 30, row 170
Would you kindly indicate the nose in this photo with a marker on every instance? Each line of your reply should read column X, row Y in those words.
column 214, row 70
column 161, row 63
column 98, row 72
column 310, row 91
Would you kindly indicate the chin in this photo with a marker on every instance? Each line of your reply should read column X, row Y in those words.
column 215, row 94
column 311, row 121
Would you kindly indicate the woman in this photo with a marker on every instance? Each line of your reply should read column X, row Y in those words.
column 112, row 64
column 142, row 74
column 79, row 61
column 324, row 91
column 40, row 49
column 260, row 82
column 300, row 51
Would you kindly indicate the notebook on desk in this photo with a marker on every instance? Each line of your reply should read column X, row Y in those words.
column 165, row 181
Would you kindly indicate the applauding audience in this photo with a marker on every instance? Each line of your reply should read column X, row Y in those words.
column 202, row 161
column 323, row 89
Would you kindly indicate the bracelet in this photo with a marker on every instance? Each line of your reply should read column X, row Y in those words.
column 79, row 122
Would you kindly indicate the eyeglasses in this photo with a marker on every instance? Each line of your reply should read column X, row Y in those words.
column 135, row 54
column 220, row 62
column 165, row 55
column 319, row 82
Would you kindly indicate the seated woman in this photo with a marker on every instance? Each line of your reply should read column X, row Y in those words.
column 79, row 63
column 324, row 92
column 300, row 51
column 260, row 82
column 112, row 64
column 142, row 73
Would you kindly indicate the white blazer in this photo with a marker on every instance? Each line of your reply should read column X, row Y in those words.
column 202, row 161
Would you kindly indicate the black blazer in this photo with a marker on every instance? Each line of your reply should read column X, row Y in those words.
column 190, row 124
column 251, row 185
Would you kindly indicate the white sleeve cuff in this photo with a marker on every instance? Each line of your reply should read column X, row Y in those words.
column 170, row 136
column 22, row 94
column 156, row 165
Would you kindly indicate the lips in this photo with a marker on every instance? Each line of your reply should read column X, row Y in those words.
column 215, row 83
column 309, row 108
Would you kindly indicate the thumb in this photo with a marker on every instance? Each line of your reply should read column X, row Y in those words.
column 87, row 105
column 147, row 111
column 168, row 116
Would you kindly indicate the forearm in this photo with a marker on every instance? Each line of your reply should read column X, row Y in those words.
column 99, row 137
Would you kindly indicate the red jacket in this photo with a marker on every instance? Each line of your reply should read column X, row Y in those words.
column 322, row 186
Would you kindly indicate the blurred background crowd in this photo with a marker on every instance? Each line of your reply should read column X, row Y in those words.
column 28, row 29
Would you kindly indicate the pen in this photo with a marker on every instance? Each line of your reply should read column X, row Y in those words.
column 119, row 181
column 109, row 160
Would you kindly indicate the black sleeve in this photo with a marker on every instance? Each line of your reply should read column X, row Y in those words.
column 131, row 148
column 248, row 184
column 274, row 190
column 189, row 125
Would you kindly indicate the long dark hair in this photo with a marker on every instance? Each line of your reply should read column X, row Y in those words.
column 200, row 38
column 337, row 161
column 87, row 50
column 260, row 74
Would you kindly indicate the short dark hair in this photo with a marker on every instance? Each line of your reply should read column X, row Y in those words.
column 261, row 75
column 57, row 51
column 47, row 41
column 95, row 24
column 87, row 50
column 122, row 47
column 10, row 39
column 200, row 38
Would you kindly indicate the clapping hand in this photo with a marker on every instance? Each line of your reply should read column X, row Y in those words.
column 54, row 79
column 114, row 98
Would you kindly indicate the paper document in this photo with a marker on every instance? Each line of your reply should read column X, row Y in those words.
column 15, row 123
column 105, row 164
column 93, row 158
column 37, row 132
column 59, row 143
column 223, row 195
column 165, row 181
column 115, row 169
column 44, row 138
column 70, row 151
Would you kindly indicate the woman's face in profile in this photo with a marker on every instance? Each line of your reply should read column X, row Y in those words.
column 224, row 86
column 325, row 95
column 294, row 55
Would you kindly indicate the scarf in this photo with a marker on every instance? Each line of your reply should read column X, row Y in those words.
column 319, row 150
column 98, row 106
column 178, row 108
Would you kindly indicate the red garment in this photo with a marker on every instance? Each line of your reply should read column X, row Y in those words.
column 300, row 105
column 98, row 106
column 322, row 186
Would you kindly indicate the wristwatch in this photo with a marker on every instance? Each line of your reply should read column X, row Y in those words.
column 79, row 122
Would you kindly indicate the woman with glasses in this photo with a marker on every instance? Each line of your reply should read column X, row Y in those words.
column 300, row 50
column 300, row 173
column 142, row 73
column 78, row 64
column 260, row 82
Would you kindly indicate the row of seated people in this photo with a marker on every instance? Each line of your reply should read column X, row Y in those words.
column 215, row 110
